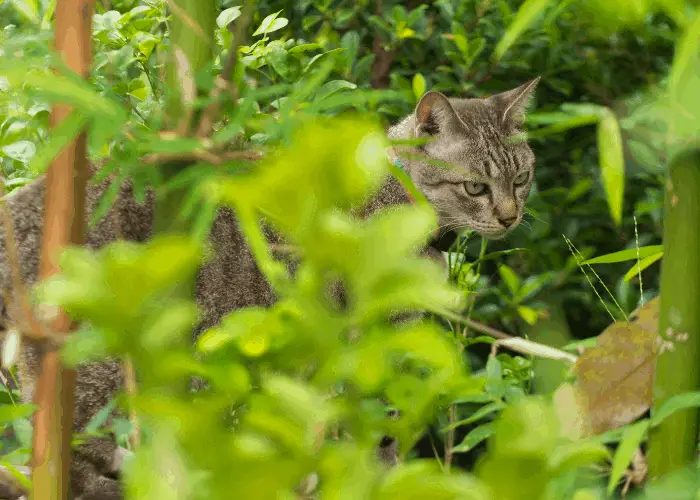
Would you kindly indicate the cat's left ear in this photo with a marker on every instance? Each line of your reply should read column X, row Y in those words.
column 511, row 105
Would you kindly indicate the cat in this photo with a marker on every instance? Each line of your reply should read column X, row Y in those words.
column 485, row 191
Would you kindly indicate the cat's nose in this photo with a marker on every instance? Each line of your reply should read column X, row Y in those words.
column 507, row 221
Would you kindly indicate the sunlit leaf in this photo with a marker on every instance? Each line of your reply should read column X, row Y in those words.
column 271, row 23
column 418, row 86
column 227, row 16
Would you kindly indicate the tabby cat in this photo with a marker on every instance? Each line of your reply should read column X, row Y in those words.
column 485, row 190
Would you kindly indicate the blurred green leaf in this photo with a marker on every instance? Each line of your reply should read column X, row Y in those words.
column 673, row 404
column 418, row 85
column 528, row 12
column 631, row 440
column 612, row 164
column 475, row 436
column 9, row 413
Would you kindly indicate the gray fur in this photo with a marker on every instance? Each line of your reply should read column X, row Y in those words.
column 468, row 133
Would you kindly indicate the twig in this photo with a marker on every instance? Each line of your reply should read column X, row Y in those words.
column 201, row 155
column 487, row 330
column 130, row 383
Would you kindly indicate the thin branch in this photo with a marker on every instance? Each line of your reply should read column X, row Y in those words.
column 130, row 383
column 201, row 155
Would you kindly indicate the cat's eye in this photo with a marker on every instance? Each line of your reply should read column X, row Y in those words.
column 476, row 188
column 521, row 179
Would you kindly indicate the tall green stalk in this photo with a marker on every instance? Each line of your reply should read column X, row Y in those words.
column 192, row 25
column 673, row 444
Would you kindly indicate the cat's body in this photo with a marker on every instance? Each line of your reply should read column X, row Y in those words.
column 232, row 280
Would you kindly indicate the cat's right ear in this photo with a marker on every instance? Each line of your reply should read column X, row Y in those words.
column 434, row 113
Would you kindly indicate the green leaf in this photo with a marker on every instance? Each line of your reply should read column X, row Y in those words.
column 528, row 314
column 631, row 439
column 60, row 137
column 332, row 87
column 643, row 264
column 482, row 412
column 569, row 457
column 422, row 479
column 9, row 413
column 22, row 151
column 509, row 278
column 145, row 42
column 23, row 431
column 304, row 47
column 527, row 13
column 350, row 42
column 475, row 437
column 27, row 8
column 100, row 418
column 673, row 404
column 623, row 255
column 612, row 163
column 228, row 16
column 271, row 23
column 418, row 85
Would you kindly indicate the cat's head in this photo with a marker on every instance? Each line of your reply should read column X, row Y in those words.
column 491, row 166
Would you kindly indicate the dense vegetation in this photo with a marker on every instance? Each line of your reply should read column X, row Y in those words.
column 605, row 123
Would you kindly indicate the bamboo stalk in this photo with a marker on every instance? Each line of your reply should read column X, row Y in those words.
column 672, row 445
column 64, row 224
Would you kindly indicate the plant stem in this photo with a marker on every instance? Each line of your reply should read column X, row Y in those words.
column 450, row 442
column 673, row 444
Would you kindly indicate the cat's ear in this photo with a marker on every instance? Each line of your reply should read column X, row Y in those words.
column 511, row 105
column 434, row 113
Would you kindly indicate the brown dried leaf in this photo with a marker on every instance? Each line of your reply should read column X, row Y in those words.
column 615, row 378
column 647, row 316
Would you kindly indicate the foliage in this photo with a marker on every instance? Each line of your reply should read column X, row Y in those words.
column 306, row 87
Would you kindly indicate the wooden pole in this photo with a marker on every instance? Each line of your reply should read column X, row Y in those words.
column 64, row 224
